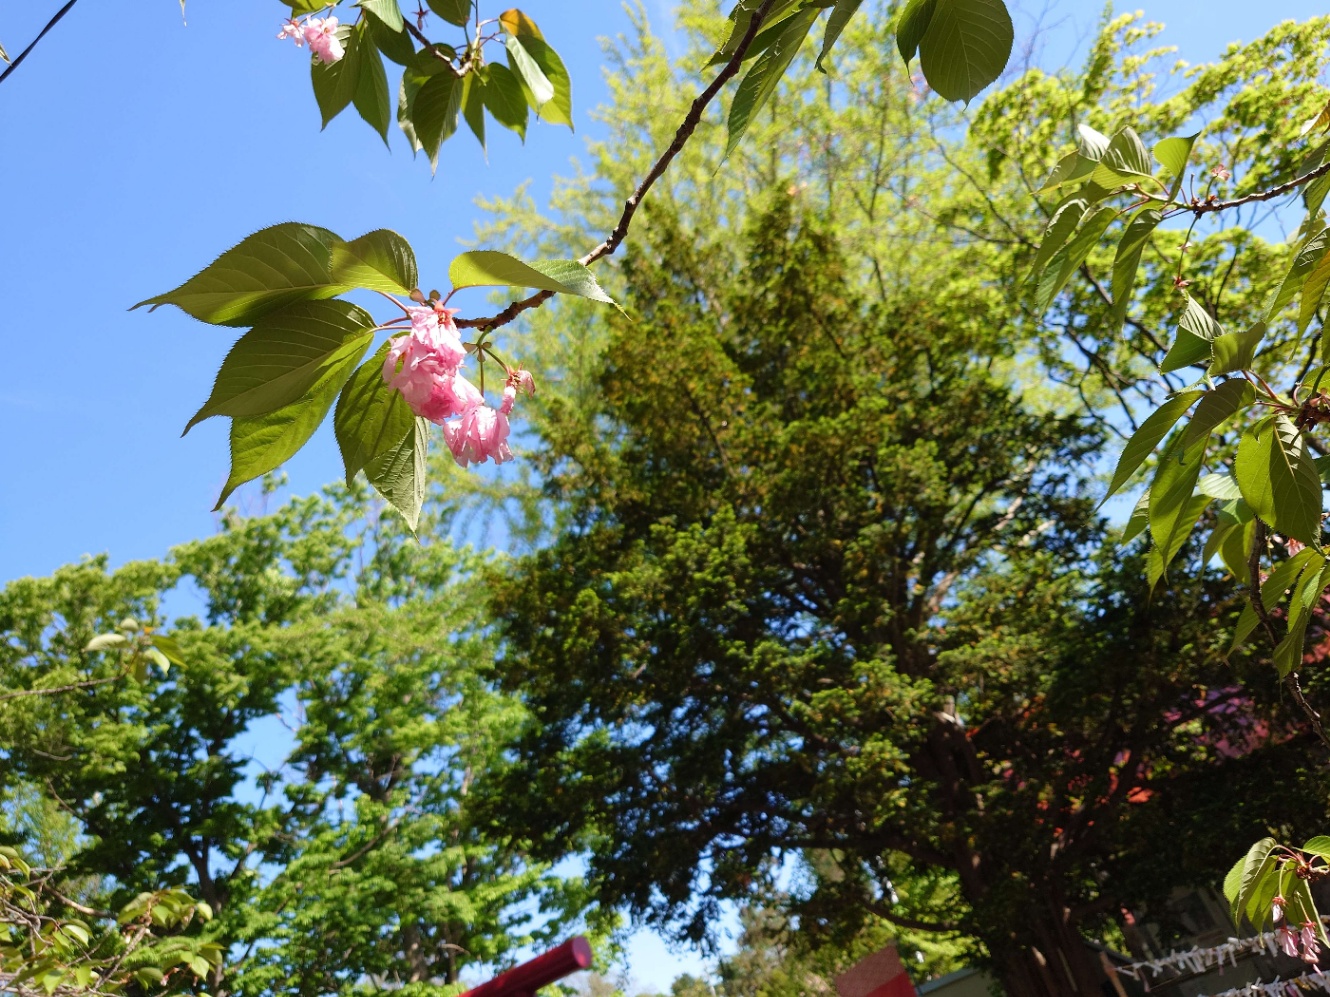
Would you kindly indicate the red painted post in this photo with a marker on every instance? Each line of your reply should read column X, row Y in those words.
column 524, row 980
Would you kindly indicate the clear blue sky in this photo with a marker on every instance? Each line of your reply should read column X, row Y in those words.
column 135, row 149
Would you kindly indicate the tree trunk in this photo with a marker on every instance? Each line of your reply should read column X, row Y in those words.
column 1046, row 957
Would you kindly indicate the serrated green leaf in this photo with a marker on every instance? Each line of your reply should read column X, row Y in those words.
column 1138, row 521
column 558, row 109
column 1125, row 161
column 1217, row 407
column 1306, row 259
column 1219, row 486
column 840, row 17
column 284, row 356
column 1147, row 437
column 1069, row 259
column 371, row 418
column 504, row 98
column 1172, row 154
column 372, row 98
column 453, row 11
column 158, row 659
column 396, row 45
column 1280, row 579
column 260, row 444
column 1064, row 221
column 1234, row 351
column 1254, row 867
column 1319, row 845
column 1128, row 259
column 377, row 261
column 966, row 46
column 536, row 85
column 435, row 112
column 1090, row 143
column 912, row 25
column 401, row 474
column 741, row 17
column 1174, row 508
column 1313, row 292
column 1279, row 480
column 760, row 82
column 386, row 12
column 488, row 268
column 335, row 83
column 270, row 269
column 473, row 106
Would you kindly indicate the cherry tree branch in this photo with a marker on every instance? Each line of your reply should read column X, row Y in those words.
column 681, row 137
column 1209, row 207
column 58, row 689
column 40, row 35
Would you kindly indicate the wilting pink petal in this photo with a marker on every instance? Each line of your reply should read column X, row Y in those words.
column 480, row 435
column 293, row 30
column 1277, row 906
column 1311, row 947
column 1288, row 940
column 518, row 380
column 1293, row 546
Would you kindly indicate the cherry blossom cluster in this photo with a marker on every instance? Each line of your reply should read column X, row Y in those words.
column 1295, row 942
column 320, row 32
column 425, row 366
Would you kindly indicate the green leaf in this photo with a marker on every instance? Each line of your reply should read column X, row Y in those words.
column 487, row 268
column 1236, row 548
column 372, row 98
column 1279, row 480
column 912, row 26
column 965, row 47
column 473, row 106
column 1174, row 509
column 1068, row 260
column 102, row 641
column 371, row 418
column 1138, row 521
column 1234, row 351
column 575, row 278
column 386, row 12
column 272, row 268
column 1302, row 907
column 558, row 110
column 504, row 98
column 1220, row 486
column 1222, row 531
column 1090, row 143
column 453, row 11
column 401, row 474
column 1197, row 331
column 1279, row 581
column 169, row 647
column 1066, row 217
column 197, row 965
column 158, row 659
column 1147, row 437
column 396, row 45
column 286, row 353
column 741, row 18
column 760, row 82
column 1125, row 161
column 1319, row 845
column 335, row 83
column 1218, row 406
column 427, row 64
column 1256, row 864
column 1313, row 292
column 840, row 17
column 1311, row 253
column 1069, row 169
column 536, row 84
column 1288, row 654
column 263, row 443
column 1128, row 259
column 434, row 113
column 378, row 261
column 1173, row 153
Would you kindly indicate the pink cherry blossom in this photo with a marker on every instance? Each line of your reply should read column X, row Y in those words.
column 480, row 435
column 1288, row 940
column 518, row 380
column 1293, row 546
column 321, row 33
column 1277, row 906
column 423, row 364
column 293, row 30
column 1310, row 943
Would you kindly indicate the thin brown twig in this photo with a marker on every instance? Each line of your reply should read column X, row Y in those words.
column 58, row 689
column 681, row 137
column 1209, row 207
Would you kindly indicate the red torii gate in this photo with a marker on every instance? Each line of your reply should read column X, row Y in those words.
column 524, row 980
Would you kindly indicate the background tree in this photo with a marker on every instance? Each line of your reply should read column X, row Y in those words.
column 306, row 770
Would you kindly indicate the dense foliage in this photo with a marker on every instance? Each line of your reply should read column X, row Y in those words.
column 306, row 771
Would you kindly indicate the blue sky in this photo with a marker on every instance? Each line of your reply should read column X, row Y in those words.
column 137, row 148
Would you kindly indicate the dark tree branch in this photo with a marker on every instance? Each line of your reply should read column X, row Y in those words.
column 620, row 231
column 40, row 35
column 58, row 689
